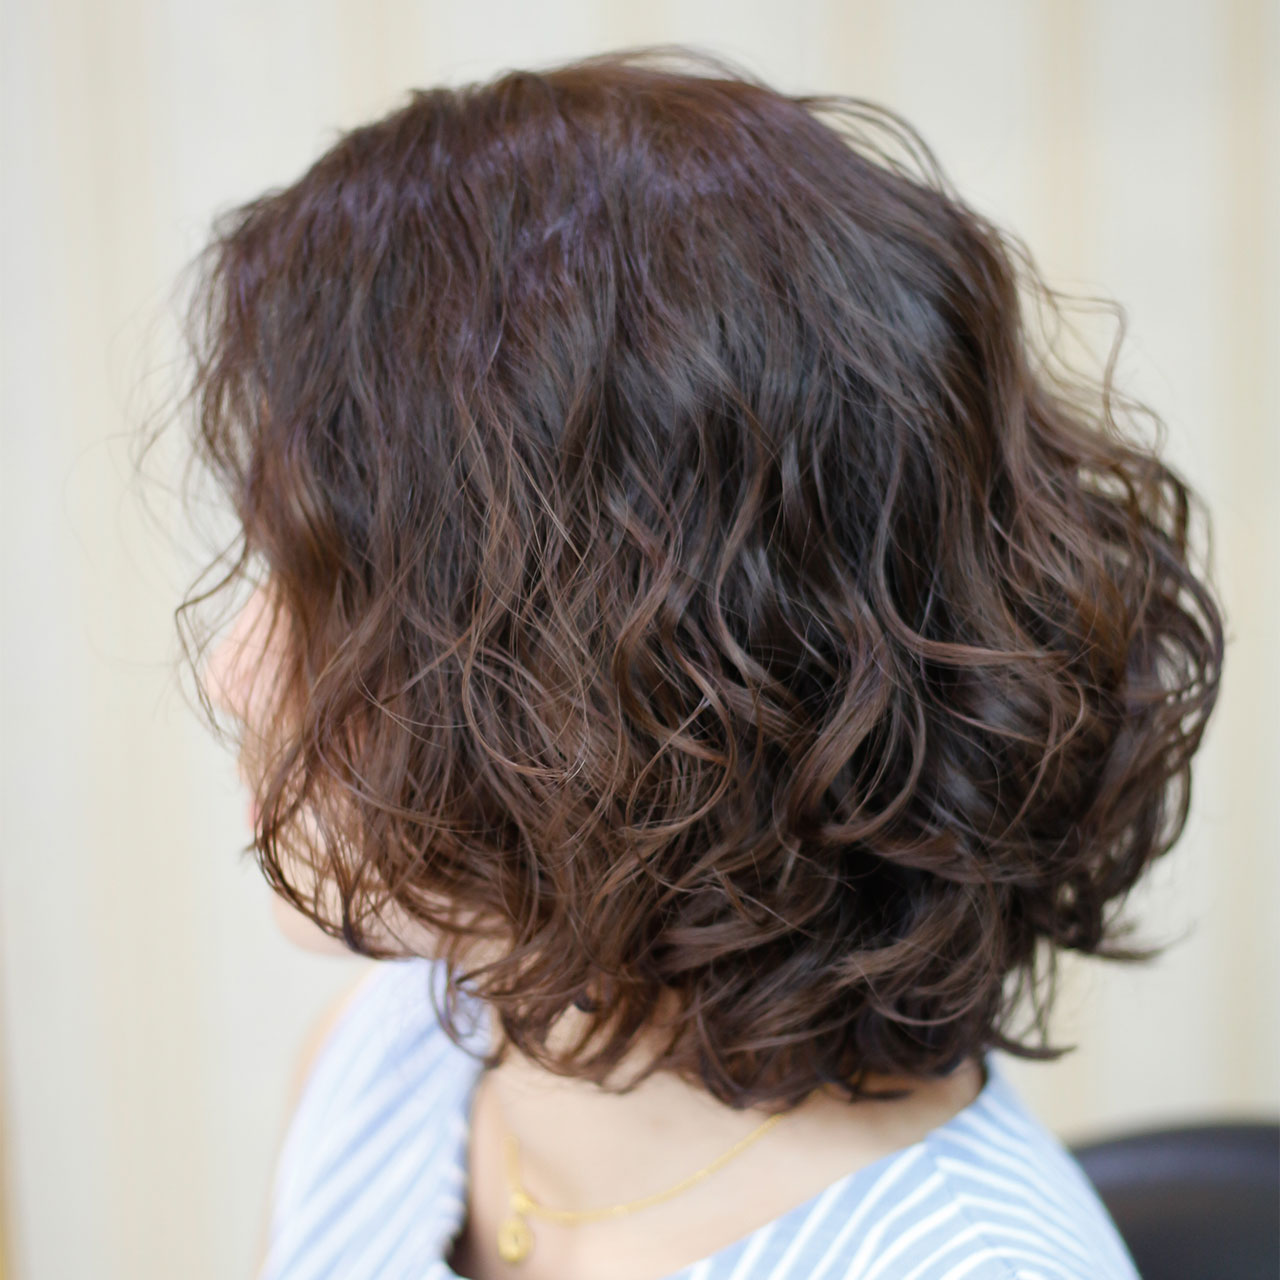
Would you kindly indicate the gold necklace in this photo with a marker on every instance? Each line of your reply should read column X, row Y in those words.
column 515, row 1238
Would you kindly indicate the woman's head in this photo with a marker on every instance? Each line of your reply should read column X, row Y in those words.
column 690, row 573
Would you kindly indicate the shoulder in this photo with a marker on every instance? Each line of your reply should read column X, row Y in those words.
column 382, row 1034
column 378, row 1118
column 998, row 1196
column 322, row 1031
column 990, row 1194
column 388, row 999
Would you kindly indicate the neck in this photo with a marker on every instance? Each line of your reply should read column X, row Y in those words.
column 582, row 1147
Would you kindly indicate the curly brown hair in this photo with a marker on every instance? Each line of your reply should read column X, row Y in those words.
column 696, row 573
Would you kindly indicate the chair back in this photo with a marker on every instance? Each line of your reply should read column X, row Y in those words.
column 1196, row 1202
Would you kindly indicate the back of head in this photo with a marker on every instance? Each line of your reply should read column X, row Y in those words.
column 693, row 571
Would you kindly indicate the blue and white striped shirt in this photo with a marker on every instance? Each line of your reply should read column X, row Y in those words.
column 371, row 1180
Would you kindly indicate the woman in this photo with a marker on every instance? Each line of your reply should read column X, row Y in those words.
column 712, row 656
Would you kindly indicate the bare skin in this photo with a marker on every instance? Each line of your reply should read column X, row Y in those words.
column 583, row 1148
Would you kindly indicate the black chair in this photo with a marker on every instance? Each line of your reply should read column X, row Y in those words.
column 1198, row 1202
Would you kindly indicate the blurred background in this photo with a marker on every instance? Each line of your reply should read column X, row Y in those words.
column 151, row 1012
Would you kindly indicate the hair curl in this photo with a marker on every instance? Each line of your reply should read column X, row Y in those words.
column 693, row 568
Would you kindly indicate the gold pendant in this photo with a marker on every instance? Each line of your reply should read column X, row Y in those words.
column 514, row 1240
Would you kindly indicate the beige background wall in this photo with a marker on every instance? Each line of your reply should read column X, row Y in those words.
column 150, row 1010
